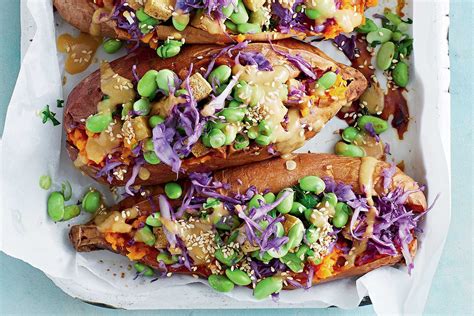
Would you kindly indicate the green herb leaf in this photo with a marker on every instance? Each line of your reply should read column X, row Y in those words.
column 59, row 103
column 210, row 203
column 46, row 115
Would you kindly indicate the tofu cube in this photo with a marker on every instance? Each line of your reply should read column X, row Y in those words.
column 200, row 88
column 160, row 9
column 254, row 5
column 136, row 4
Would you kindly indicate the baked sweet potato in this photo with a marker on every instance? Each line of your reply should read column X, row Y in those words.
column 255, row 20
column 280, row 95
column 253, row 218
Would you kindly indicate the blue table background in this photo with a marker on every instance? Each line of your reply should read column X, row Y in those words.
column 26, row 290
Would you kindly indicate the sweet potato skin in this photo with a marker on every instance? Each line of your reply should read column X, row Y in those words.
column 344, row 169
column 83, row 99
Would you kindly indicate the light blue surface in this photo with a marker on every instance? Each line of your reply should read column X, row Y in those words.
column 25, row 290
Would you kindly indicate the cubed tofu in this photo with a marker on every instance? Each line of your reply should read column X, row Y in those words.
column 140, row 128
column 254, row 5
column 200, row 88
column 208, row 24
column 136, row 4
column 161, row 242
column 160, row 9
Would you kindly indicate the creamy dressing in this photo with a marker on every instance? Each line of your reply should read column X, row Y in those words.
column 80, row 51
column 99, row 146
column 117, row 88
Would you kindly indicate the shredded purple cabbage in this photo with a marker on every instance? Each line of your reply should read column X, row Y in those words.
column 347, row 45
column 369, row 127
column 139, row 162
column 343, row 191
column 108, row 169
column 254, row 58
column 387, row 175
column 298, row 61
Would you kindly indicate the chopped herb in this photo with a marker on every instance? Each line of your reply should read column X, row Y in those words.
column 210, row 203
column 46, row 115
column 59, row 103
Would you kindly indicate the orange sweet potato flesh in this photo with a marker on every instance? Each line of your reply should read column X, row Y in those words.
column 82, row 102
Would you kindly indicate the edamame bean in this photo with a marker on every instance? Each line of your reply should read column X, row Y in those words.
column 340, row 219
column 168, row 50
column 145, row 235
column 165, row 80
column 312, row 14
column 235, row 104
column 392, row 17
column 282, row 251
column 263, row 140
column 230, row 132
column 231, row 26
column 166, row 258
column 301, row 252
column 348, row 150
column 92, row 201
column 327, row 80
column 232, row 115
column 242, row 91
column 99, row 122
column 216, row 138
column 141, row 15
column 173, row 190
column 343, row 207
column 147, row 85
column 295, row 234
column 248, row 28
column 312, row 234
column 66, row 190
column 112, row 45
column 220, row 74
column 312, row 184
column 142, row 107
column 268, row 286
column 297, row 209
column 257, row 95
column 381, row 35
column 155, row 120
column 45, row 182
column 313, row 259
column 258, row 17
column 368, row 27
column 379, row 125
column 330, row 198
column 56, row 206
column 385, row 55
column 400, row 74
column 240, row 14
column 148, row 145
column 265, row 257
column 308, row 200
column 228, row 259
column 397, row 36
column 126, row 109
column 255, row 201
column 239, row 277
column 285, row 205
column 252, row 133
column 403, row 27
column 71, row 211
column 180, row 21
column 151, row 157
column 228, row 10
column 264, row 128
column 269, row 198
column 293, row 262
column 241, row 142
column 153, row 220
column 143, row 269
column 351, row 134
column 220, row 283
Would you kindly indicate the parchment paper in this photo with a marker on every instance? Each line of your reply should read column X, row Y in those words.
column 30, row 149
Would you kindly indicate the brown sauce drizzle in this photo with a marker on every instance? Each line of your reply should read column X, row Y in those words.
column 80, row 51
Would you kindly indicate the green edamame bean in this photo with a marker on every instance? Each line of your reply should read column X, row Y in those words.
column 66, row 190
column 45, row 182
column 151, row 157
column 403, row 27
column 228, row 260
column 400, row 74
column 285, row 205
column 220, row 74
column 264, row 128
column 150, row 22
column 330, row 198
column 168, row 50
column 297, row 208
column 243, row 91
column 112, row 45
column 282, row 251
column 141, row 15
column 155, row 120
column 143, row 269
column 267, row 287
column 239, row 277
column 153, row 220
column 327, row 80
column 241, row 142
column 397, row 36
column 220, row 283
column 230, row 132
column 308, row 200
column 231, row 26
column 368, row 27
column 385, row 55
column 280, row 230
column 180, row 21
column 350, row 134
column 252, row 133
column 312, row 14
column 257, row 95
column 142, row 107
column 233, row 115
column 228, row 10
column 147, row 84
column 381, row 35
column 99, row 122
column 173, row 190
column 221, row 89
column 301, row 252
column 312, row 184
column 312, row 234
column 126, row 108
column 248, row 28
column 165, row 80
column 269, row 198
column 340, row 219
column 148, row 145
column 379, row 125
column 295, row 234
column 392, row 17
column 71, row 211
column 145, row 235
column 56, row 206
column 255, row 201
column 240, row 14
column 343, row 207
column 263, row 140
column 348, row 150
column 92, row 201
column 258, row 17
column 313, row 259
column 166, row 258
column 265, row 257
column 292, row 261
column 216, row 138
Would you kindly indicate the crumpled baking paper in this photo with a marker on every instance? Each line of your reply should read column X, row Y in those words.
column 30, row 149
